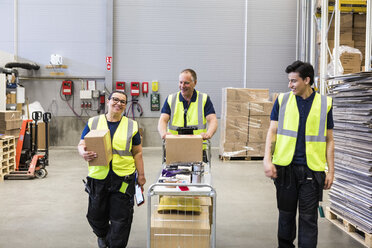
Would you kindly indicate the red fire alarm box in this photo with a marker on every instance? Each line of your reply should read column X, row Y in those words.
column 145, row 87
column 120, row 86
column 134, row 88
column 67, row 87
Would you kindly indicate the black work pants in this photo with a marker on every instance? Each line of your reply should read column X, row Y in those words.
column 297, row 184
column 110, row 212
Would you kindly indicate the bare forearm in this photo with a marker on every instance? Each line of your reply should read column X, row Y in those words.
column 162, row 128
column 138, row 160
column 331, row 156
column 162, row 125
column 212, row 127
column 270, row 142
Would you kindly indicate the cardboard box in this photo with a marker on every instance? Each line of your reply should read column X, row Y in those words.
column 236, row 135
column 345, row 34
column 180, row 230
column 346, row 21
column 244, row 94
column 349, row 70
column 260, row 108
column 240, row 109
column 183, row 148
column 10, row 115
column 41, row 142
column 233, row 149
column 360, row 21
column 258, row 127
column 99, row 141
column 259, row 121
column 10, row 124
column 256, row 149
column 350, row 59
column 237, row 123
column 12, row 132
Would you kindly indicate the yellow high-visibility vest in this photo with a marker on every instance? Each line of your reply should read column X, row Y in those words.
column 122, row 159
column 315, row 131
column 194, row 116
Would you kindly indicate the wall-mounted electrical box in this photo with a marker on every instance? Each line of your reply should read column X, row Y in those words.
column 85, row 94
column 67, row 87
column 134, row 88
column 120, row 86
column 91, row 85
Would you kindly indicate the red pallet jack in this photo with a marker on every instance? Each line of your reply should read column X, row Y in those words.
column 30, row 162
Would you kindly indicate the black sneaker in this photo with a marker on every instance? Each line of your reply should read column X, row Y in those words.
column 102, row 242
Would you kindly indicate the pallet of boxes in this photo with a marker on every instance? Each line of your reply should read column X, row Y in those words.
column 245, row 120
column 10, row 124
column 352, row 41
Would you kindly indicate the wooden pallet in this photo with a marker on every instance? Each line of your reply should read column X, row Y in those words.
column 339, row 221
column 243, row 158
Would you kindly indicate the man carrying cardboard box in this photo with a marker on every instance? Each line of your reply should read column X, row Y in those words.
column 111, row 186
column 188, row 107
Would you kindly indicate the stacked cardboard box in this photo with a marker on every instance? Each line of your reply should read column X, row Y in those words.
column 10, row 123
column 359, row 32
column 351, row 62
column 181, row 229
column 244, row 122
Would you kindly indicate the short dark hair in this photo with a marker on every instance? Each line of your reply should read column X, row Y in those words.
column 120, row 92
column 192, row 72
column 304, row 70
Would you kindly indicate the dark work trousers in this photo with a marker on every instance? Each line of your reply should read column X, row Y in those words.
column 110, row 212
column 298, row 184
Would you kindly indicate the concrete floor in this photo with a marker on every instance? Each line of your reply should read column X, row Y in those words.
column 51, row 212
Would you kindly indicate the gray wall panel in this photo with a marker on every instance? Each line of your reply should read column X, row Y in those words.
column 155, row 41
column 271, row 43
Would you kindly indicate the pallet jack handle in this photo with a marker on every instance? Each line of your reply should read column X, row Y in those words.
column 47, row 116
column 36, row 116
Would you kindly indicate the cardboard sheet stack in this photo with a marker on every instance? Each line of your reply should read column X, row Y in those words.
column 245, row 119
column 351, row 195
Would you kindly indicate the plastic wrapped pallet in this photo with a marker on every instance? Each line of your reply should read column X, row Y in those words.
column 244, row 121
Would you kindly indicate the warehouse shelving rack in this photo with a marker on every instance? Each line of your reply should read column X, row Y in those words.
column 309, row 24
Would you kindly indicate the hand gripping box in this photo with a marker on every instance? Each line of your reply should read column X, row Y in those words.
column 99, row 141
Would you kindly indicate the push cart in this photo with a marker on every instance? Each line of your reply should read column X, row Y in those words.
column 182, row 214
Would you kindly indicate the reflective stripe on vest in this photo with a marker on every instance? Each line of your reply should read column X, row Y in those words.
column 122, row 159
column 315, row 131
column 174, row 99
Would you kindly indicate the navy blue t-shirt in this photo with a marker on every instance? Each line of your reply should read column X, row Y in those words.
column 136, row 140
column 208, row 108
column 303, row 106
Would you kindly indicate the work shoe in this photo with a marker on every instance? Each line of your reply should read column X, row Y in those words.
column 102, row 242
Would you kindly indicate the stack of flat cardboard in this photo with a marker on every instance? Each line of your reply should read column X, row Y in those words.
column 245, row 119
column 351, row 195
